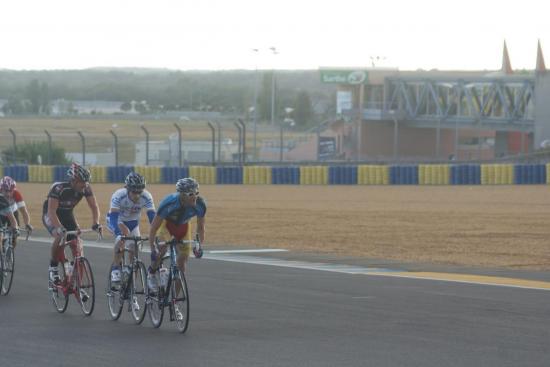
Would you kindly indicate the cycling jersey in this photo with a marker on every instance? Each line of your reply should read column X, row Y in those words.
column 5, row 207
column 16, row 201
column 128, row 209
column 129, row 212
column 68, row 197
column 171, row 209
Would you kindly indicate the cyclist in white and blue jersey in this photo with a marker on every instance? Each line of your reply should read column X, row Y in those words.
column 173, row 215
column 125, row 213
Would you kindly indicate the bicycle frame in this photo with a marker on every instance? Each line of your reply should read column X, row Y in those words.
column 78, row 280
column 137, row 243
column 174, row 270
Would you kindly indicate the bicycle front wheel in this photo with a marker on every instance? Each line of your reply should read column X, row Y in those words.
column 85, row 287
column 60, row 298
column 155, row 306
column 138, row 300
column 115, row 301
column 8, row 268
column 180, row 302
column 1, row 268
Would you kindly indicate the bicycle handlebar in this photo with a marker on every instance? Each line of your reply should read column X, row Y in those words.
column 134, row 238
column 80, row 231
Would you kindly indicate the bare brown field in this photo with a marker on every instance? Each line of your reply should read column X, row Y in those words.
column 489, row 226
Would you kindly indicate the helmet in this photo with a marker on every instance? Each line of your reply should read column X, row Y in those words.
column 78, row 172
column 187, row 185
column 7, row 184
column 135, row 181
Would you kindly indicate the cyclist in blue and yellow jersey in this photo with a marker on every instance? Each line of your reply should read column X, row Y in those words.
column 173, row 215
column 57, row 211
column 125, row 213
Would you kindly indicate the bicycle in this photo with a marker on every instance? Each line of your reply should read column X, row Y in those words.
column 168, row 294
column 132, row 286
column 75, row 276
column 7, row 259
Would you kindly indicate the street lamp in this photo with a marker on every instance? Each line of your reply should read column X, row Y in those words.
column 395, row 136
column 255, row 104
column 286, row 122
column 275, row 52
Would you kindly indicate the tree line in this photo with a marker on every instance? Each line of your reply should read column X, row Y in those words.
column 32, row 92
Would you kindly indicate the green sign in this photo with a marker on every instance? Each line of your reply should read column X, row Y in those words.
column 344, row 76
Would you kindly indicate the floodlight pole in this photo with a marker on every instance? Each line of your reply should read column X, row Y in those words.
column 14, row 145
column 179, row 145
column 83, row 140
column 49, row 146
column 213, row 142
column 116, row 147
column 146, row 144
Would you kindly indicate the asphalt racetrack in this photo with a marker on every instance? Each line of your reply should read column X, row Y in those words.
column 301, row 312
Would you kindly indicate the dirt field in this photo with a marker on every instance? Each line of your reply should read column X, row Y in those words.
column 503, row 226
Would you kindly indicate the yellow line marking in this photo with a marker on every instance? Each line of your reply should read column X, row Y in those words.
column 470, row 278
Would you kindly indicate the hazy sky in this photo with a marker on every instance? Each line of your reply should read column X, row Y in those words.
column 220, row 34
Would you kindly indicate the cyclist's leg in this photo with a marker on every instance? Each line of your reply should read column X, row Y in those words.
column 117, row 252
column 133, row 230
column 55, row 248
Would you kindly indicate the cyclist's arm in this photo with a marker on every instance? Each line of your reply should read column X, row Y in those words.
column 92, row 203
column 155, row 225
column 12, row 220
column 201, row 222
column 53, row 204
column 25, row 213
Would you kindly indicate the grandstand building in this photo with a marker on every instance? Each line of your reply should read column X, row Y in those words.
column 392, row 115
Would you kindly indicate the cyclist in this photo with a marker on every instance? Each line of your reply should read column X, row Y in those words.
column 173, row 215
column 5, row 211
column 125, row 213
column 8, row 188
column 57, row 212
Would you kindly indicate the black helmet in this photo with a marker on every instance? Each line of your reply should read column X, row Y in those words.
column 78, row 172
column 187, row 185
column 135, row 181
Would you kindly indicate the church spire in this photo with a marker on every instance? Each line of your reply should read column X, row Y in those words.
column 506, row 65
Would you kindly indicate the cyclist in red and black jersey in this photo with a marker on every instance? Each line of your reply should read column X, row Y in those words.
column 57, row 212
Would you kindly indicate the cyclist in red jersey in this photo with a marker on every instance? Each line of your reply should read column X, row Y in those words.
column 57, row 212
column 8, row 188
column 5, row 211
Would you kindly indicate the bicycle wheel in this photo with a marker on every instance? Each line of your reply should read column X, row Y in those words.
column 1, row 268
column 8, row 268
column 138, row 296
column 155, row 306
column 180, row 302
column 59, row 297
column 85, row 287
column 115, row 301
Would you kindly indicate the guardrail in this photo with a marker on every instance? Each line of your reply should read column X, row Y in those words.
column 411, row 174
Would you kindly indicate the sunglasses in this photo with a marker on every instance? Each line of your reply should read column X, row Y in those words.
column 192, row 194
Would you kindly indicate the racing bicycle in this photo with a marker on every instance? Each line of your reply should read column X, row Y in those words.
column 132, row 287
column 7, row 259
column 75, row 275
column 172, row 294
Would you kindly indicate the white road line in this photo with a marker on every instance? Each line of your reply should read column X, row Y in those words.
column 233, row 256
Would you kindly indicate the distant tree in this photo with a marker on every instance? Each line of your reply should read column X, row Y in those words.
column 265, row 97
column 29, row 152
column 34, row 95
column 303, row 110
column 39, row 96
column 126, row 106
